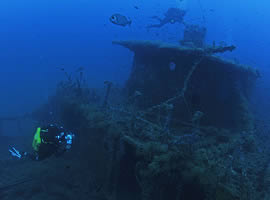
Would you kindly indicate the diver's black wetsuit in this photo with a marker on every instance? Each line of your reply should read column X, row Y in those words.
column 49, row 142
column 52, row 142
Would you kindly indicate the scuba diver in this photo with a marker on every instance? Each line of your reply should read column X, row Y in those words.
column 47, row 141
column 172, row 16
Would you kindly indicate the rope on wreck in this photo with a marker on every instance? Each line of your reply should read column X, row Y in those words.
column 207, row 52
column 167, row 105
column 180, row 93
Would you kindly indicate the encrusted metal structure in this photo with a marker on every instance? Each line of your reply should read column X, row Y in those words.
column 191, row 79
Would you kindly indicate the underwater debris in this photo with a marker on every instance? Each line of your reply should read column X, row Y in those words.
column 134, row 98
column 194, row 36
column 196, row 118
column 108, row 90
column 70, row 94
column 68, row 75
column 74, row 78
column 168, row 118
column 220, row 49
column 173, row 15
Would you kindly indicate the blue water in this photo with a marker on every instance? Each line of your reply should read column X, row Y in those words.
column 39, row 37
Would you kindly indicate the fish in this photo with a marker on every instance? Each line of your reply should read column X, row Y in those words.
column 120, row 20
column 136, row 7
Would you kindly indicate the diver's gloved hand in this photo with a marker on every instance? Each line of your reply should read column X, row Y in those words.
column 69, row 138
column 14, row 152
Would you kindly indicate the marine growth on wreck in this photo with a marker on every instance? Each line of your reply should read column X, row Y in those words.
column 175, row 131
column 181, row 127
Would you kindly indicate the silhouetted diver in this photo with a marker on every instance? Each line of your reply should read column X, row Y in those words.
column 172, row 16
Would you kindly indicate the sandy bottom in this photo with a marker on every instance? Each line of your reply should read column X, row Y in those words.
column 67, row 177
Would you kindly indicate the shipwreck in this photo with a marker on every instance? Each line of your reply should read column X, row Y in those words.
column 192, row 80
